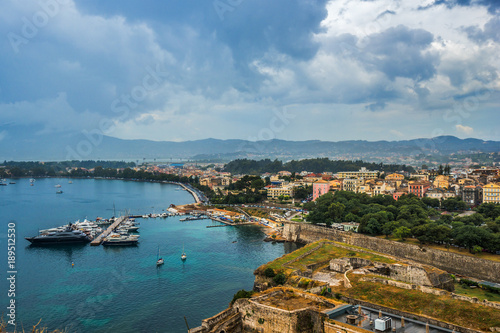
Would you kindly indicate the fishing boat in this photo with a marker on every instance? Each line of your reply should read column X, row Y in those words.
column 159, row 260
column 183, row 255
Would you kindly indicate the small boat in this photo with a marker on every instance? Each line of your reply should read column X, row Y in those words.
column 70, row 182
column 159, row 260
column 183, row 255
column 32, row 180
column 57, row 186
column 59, row 192
column 12, row 183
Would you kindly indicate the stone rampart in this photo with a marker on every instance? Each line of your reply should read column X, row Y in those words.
column 448, row 261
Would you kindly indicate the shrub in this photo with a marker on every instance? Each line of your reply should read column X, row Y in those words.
column 280, row 279
column 269, row 272
column 469, row 282
column 303, row 283
column 261, row 321
column 338, row 295
column 242, row 294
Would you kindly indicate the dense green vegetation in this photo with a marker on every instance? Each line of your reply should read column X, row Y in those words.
column 246, row 166
column 42, row 169
column 246, row 190
column 242, row 294
column 411, row 217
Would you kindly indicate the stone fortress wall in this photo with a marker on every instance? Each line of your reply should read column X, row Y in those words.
column 448, row 261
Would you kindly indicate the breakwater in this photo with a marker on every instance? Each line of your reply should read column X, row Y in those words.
column 448, row 261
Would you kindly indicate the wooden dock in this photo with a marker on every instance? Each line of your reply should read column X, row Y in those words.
column 98, row 240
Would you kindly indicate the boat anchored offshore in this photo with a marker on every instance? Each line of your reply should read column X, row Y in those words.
column 159, row 260
column 183, row 255
column 66, row 236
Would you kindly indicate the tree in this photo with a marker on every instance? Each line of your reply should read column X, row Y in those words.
column 257, row 184
column 402, row 233
column 280, row 279
column 336, row 211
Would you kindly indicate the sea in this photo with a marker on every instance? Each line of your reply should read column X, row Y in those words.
column 120, row 289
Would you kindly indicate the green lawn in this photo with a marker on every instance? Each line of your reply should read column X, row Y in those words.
column 481, row 294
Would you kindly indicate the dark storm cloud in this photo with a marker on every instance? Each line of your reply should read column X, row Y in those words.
column 401, row 52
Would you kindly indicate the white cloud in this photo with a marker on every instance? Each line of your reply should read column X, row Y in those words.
column 461, row 129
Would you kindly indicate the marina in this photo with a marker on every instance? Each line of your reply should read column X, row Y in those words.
column 97, row 289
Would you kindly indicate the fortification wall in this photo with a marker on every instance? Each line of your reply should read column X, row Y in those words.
column 262, row 318
column 452, row 262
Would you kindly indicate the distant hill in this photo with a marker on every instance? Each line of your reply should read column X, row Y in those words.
column 70, row 146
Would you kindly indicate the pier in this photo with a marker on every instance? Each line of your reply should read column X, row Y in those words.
column 98, row 240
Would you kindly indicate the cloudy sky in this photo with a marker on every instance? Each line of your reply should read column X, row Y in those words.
column 251, row 69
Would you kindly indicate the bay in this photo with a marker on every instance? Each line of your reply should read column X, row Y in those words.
column 121, row 289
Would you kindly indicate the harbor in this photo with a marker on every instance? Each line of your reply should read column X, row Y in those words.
column 121, row 288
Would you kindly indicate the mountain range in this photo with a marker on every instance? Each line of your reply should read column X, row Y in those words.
column 80, row 146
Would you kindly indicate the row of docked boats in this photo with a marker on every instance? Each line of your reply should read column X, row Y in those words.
column 84, row 232
column 123, row 235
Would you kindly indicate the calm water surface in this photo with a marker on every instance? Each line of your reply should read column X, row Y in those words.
column 121, row 289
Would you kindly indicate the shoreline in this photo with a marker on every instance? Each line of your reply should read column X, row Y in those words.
column 185, row 186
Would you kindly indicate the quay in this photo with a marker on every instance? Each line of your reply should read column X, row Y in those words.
column 98, row 240
column 226, row 223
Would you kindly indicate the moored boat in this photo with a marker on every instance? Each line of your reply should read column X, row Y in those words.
column 59, row 237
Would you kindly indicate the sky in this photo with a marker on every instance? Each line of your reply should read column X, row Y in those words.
column 178, row 70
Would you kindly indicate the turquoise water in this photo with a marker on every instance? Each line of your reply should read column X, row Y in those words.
column 121, row 289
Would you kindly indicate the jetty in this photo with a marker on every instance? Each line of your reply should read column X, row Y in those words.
column 98, row 240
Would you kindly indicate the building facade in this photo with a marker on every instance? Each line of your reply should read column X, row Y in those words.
column 491, row 193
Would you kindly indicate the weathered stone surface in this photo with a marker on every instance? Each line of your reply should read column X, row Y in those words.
column 448, row 261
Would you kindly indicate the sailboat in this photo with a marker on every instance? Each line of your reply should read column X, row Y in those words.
column 183, row 255
column 159, row 260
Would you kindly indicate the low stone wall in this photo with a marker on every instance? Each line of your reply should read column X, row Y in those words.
column 475, row 300
column 403, row 285
column 448, row 261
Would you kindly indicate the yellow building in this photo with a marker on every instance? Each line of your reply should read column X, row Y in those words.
column 441, row 181
column 395, row 177
column 491, row 193
column 362, row 173
column 275, row 192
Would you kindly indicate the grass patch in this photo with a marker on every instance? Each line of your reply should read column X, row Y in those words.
column 329, row 250
column 481, row 294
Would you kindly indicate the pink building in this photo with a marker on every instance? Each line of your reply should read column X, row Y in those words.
column 319, row 188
